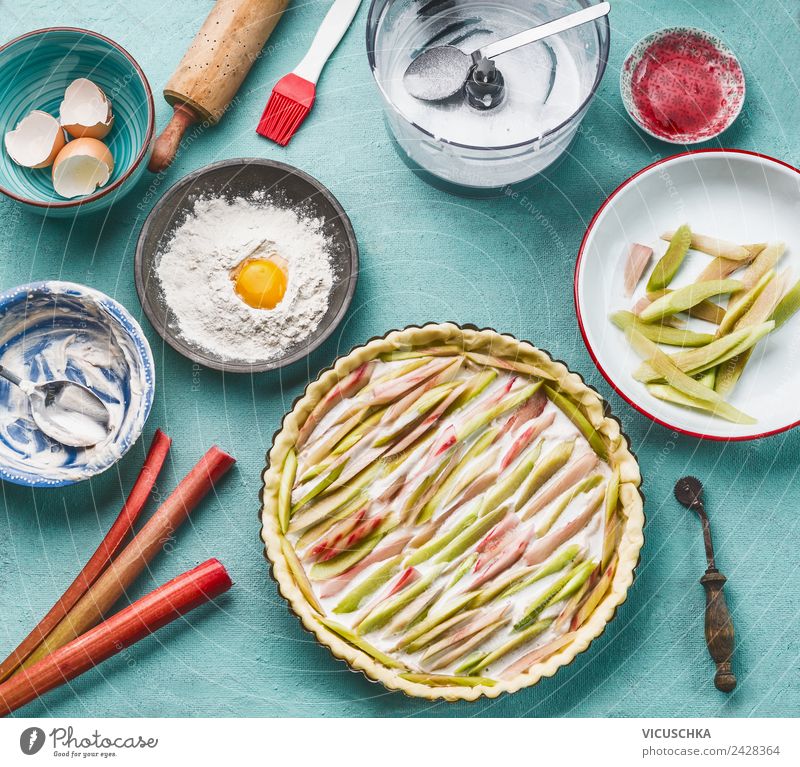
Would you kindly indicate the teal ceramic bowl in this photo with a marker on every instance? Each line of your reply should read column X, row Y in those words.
column 35, row 70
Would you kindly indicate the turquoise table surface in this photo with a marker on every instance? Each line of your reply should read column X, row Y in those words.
column 425, row 256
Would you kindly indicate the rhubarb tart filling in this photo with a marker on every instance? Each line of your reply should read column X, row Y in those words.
column 452, row 512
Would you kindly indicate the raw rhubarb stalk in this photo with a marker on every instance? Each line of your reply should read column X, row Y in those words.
column 661, row 333
column 128, row 626
column 347, row 387
column 318, row 489
column 466, row 565
column 365, row 528
column 767, row 259
column 427, row 423
column 718, row 408
column 705, row 310
column 104, row 553
column 430, row 351
column 415, row 611
column 134, row 558
column 685, row 298
column 638, row 258
column 495, row 538
column 476, row 386
column 328, row 506
column 439, row 629
column 386, row 392
column 509, row 485
column 738, row 307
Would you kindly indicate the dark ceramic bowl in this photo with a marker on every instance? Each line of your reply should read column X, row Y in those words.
column 242, row 178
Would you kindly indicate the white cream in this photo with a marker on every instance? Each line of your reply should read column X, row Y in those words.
column 589, row 539
column 75, row 339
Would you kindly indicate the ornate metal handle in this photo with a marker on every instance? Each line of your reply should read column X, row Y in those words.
column 719, row 629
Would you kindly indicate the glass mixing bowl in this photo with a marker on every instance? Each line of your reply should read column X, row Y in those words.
column 548, row 88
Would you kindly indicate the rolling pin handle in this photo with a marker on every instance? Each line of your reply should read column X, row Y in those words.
column 167, row 144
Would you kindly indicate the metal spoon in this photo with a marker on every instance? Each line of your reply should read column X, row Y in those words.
column 719, row 625
column 64, row 410
column 440, row 72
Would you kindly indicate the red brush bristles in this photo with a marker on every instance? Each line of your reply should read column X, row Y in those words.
column 290, row 102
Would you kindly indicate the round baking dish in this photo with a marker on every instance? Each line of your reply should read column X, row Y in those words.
column 280, row 552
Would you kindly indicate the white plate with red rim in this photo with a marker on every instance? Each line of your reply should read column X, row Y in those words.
column 731, row 194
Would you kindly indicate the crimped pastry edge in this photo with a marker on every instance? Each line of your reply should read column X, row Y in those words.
column 500, row 345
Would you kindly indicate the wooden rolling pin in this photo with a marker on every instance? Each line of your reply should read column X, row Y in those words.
column 211, row 71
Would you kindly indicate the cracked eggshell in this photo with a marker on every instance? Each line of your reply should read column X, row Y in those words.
column 82, row 166
column 85, row 111
column 36, row 141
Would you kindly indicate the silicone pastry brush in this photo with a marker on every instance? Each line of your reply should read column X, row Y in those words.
column 293, row 95
column 719, row 626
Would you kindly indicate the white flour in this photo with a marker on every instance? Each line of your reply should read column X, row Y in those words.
column 194, row 271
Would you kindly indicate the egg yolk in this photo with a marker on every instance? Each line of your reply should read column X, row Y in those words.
column 261, row 283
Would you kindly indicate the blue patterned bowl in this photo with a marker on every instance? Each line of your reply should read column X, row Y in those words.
column 35, row 70
column 57, row 330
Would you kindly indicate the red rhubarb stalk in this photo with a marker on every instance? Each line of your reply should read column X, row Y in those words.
column 121, row 573
column 105, row 552
column 128, row 626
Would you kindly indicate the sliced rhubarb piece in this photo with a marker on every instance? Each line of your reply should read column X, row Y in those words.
column 379, row 554
column 525, row 663
column 460, row 650
column 554, row 460
column 351, row 601
column 516, row 640
column 457, row 643
column 571, row 474
column 513, row 551
column 638, row 258
column 347, row 387
column 527, row 435
column 544, row 547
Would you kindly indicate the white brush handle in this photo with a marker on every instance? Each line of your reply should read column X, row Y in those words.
column 330, row 32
